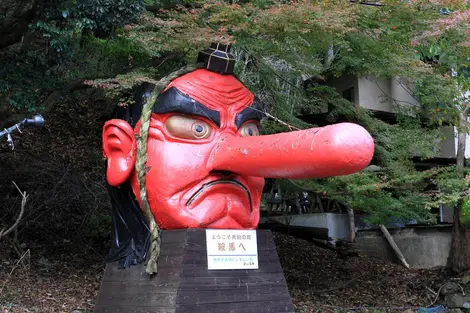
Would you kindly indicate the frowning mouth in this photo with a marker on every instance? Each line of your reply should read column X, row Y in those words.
column 218, row 182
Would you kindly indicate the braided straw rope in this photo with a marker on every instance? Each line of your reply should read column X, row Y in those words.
column 141, row 165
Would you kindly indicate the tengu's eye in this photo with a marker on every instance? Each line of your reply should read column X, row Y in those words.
column 249, row 129
column 201, row 129
column 187, row 128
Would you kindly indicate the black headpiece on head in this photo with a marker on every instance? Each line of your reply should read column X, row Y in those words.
column 217, row 58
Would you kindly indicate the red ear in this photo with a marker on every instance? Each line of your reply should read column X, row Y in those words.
column 119, row 146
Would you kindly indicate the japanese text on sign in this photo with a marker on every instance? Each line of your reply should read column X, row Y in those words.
column 231, row 249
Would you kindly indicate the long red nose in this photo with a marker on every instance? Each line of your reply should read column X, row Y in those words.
column 334, row 150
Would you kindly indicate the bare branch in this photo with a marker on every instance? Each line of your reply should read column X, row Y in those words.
column 281, row 122
column 393, row 99
column 28, row 254
column 4, row 233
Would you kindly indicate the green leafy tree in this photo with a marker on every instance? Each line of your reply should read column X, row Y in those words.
column 446, row 45
column 278, row 44
column 281, row 44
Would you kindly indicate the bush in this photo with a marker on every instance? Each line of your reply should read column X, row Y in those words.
column 110, row 15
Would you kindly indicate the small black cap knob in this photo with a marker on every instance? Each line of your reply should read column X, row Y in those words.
column 217, row 58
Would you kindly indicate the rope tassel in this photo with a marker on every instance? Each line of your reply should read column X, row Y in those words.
column 141, row 163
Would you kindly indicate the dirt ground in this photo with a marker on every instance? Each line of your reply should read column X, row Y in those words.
column 320, row 280
column 65, row 278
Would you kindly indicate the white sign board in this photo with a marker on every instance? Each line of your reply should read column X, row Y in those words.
column 229, row 249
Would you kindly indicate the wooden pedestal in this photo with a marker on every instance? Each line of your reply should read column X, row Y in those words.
column 184, row 284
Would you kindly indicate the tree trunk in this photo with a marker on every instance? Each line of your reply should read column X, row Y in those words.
column 16, row 15
column 459, row 256
column 352, row 225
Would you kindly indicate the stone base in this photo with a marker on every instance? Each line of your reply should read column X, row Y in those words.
column 184, row 284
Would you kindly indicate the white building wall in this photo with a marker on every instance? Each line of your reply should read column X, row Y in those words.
column 377, row 94
column 401, row 93
column 374, row 94
column 446, row 147
column 449, row 145
column 344, row 83
column 337, row 223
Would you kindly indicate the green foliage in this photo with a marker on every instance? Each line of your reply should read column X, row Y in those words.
column 393, row 189
column 437, row 94
column 26, row 76
column 109, row 15
column 115, row 45
column 104, row 57
column 465, row 212
column 21, row 81
column 63, row 21
column 276, row 44
column 61, row 40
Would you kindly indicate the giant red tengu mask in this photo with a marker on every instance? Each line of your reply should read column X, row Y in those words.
column 206, row 159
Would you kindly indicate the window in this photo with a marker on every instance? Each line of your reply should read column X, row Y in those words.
column 348, row 94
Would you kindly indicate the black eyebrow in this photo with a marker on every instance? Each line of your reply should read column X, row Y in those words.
column 173, row 100
column 253, row 112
